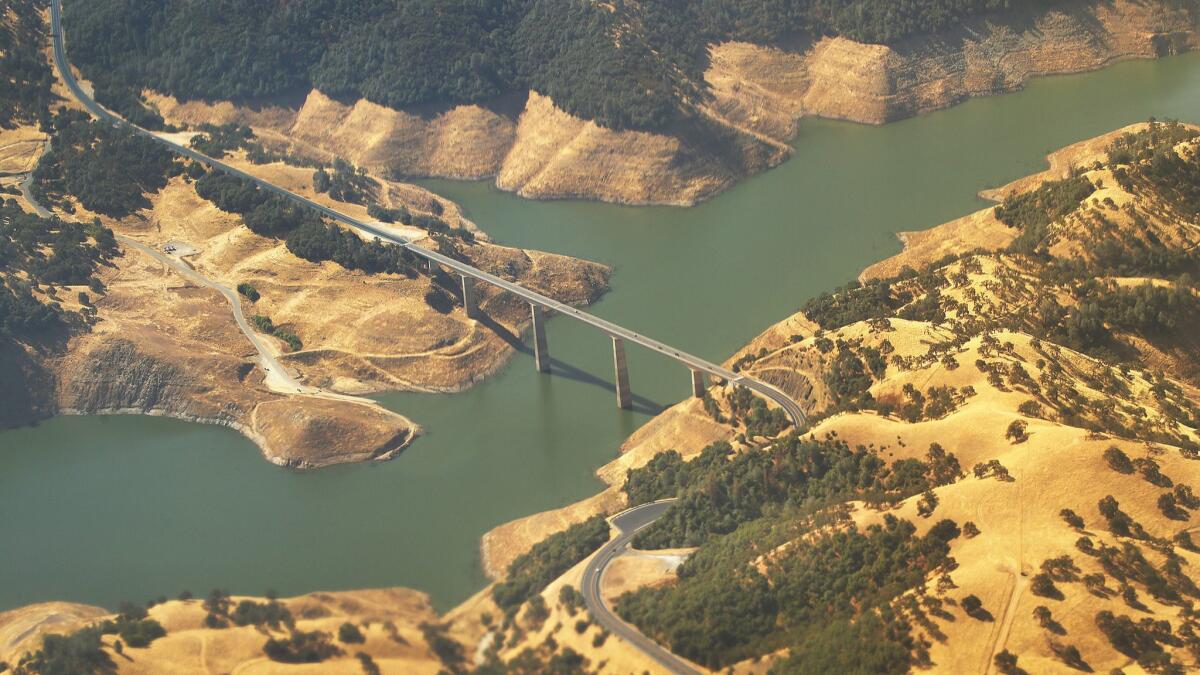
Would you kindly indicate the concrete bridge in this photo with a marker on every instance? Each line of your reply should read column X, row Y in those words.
column 539, row 304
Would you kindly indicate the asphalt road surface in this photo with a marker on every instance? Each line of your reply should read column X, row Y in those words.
column 627, row 523
column 790, row 407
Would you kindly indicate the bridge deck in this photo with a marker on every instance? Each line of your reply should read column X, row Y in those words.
column 789, row 406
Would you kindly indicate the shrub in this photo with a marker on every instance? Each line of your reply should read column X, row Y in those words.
column 1016, row 431
column 1043, row 585
column 301, row 647
column 537, row 613
column 1073, row 519
column 78, row 652
column 449, row 651
column 248, row 291
column 1006, row 662
column 250, row 613
column 570, row 598
column 971, row 605
column 350, row 634
column 368, row 664
column 1118, row 461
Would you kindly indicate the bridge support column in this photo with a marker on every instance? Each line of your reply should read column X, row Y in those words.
column 698, row 383
column 433, row 266
column 541, row 353
column 468, row 295
column 624, row 395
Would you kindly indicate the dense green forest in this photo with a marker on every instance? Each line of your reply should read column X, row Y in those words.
column 25, row 88
column 530, row 572
column 738, row 507
column 625, row 65
column 719, row 490
column 827, row 596
column 109, row 170
column 36, row 251
column 304, row 231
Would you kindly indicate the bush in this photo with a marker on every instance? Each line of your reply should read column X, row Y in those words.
column 1118, row 461
column 368, row 664
column 301, row 647
column 248, row 291
column 1006, row 662
column 971, row 605
column 1033, row 212
column 1071, row 518
column 250, row 613
column 78, row 652
column 350, row 634
column 1016, row 431
column 1042, row 585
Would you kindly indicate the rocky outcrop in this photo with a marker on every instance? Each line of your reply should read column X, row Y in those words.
column 759, row 94
column 556, row 155
column 119, row 376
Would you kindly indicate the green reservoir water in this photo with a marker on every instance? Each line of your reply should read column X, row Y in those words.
column 100, row 510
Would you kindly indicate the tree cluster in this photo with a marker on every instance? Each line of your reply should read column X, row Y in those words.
column 530, row 572
column 732, row 602
column 25, row 94
column 719, row 490
column 304, row 231
column 109, row 170
column 1032, row 212
column 35, row 251
column 628, row 65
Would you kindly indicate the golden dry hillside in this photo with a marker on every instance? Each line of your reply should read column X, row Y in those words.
column 391, row 629
column 534, row 147
column 1001, row 471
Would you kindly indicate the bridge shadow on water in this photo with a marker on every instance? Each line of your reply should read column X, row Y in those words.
column 560, row 368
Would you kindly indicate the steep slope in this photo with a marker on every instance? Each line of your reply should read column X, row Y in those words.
column 758, row 94
column 1005, row 443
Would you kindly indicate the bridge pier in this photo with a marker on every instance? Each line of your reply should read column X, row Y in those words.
column 624, row 395
column 541, row 353
column 432, row 266
column 468, row 296
column 698, row 383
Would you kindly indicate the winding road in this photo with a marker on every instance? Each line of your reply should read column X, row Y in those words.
column 278, row 378
column 628, row 523
column 790, row 407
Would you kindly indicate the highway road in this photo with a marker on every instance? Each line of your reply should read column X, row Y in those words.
column 627, row 523
column 790, row 407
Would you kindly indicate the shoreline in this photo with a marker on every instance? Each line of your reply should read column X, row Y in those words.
column 264, row 447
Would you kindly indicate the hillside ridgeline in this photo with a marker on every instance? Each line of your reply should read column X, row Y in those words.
column 752, row 88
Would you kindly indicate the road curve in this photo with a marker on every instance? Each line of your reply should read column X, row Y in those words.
column 278, row 377
column 790, row 407
column 627, row 523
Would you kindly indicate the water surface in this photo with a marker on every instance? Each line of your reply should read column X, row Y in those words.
column 104, row 509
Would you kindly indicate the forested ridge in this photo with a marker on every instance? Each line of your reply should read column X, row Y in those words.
column 778, row 568
column 25, row 88
column 109, row 170
column 37, row 252
column 624, row 65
